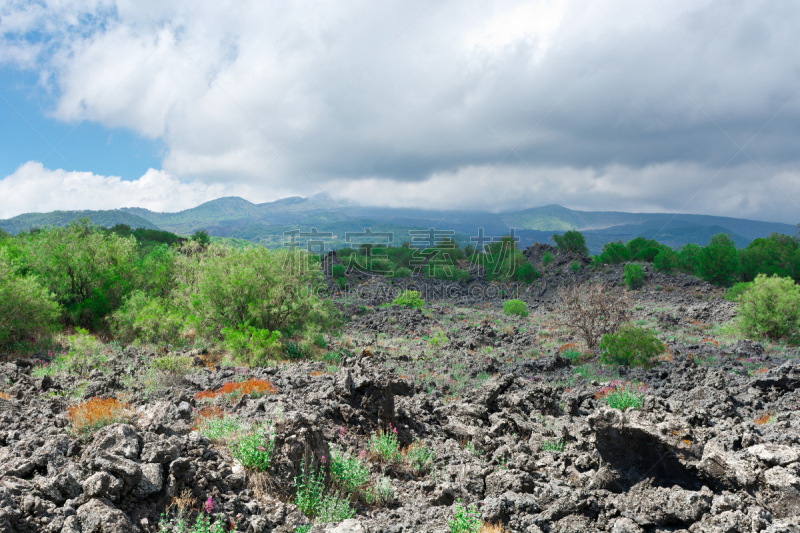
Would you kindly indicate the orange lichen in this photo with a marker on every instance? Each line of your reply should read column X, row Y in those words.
column 765, row 419
column 762, row 370
column 95, row 413
column 712, row 341
column 4, row 396
column 492, row 528
column 254, row 387
column 568, row 346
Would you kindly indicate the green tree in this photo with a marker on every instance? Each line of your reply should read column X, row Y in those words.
column 27, row 310
column 776, row 255
column 201, row 237
column 688, row 258
column 572, row 241
column 613, row 253
column 718, row 262
column 666, row 260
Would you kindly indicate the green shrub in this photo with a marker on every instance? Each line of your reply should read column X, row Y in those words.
column 342, row 282
column 547, row 258
column 334, row 508
column 176, row 365
column 219, row 428
column 688, row 258
column 572, row 241
column 613, row 253
column 385, row 446
column 634, row 276
column 254, row 450
column 465, row 520
column 515, row 307
column 409, row 299
column 143, row 319
column 382, row 493
column 402, row 272
column 631, row 345
column 775, row 255
column 348, row 471
column 419, row 457
column 575, row 266
column 526, row 273
column 438, row 338
column 309, row 490
column 770, row 308
column 27, row 310
column 552, row 445
column 619, row 395
column 666, row 260
column 89, row 271
column 737, row 290
column 295, row 350
column 646, row 254
column 266, row 289
column 338, row 271
column 85, row 353
column 251, row 346
column 718, row 262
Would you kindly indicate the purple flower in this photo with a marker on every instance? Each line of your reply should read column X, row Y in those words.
column 209, row 505
column 323, row 460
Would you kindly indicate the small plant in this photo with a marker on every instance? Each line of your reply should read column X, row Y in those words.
column 309, row 491
column 764, row 419
column 85, row 353
column 295, row 351
column 733, row 293
column 254, row 450
column 547, row 258
column 419, row 457
column 470, row 447
column 659, row 287
column 382, row 493
column 202, row 524
column 342, row 282
column 634, row 276
column 348, row 471
column 338, row 271
column 631, row 346
column 409, row 299
column 334, row 508
column 552, row 445
column 575, row 266
column 438, row 339
column 515, row 308
column 91, row 415
column 305, row 528
column 619, row 395
column 319, row 341
column 174, row 365
column 217, row 425
column 465, row 520
column 385, row 446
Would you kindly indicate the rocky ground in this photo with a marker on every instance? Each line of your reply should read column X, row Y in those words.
column 515, row 428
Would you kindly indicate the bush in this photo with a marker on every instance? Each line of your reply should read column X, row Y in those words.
column 348, row 471
column 338, row 271
column 718, row 262
column 631, row 346
column 419, row 457
column 176, row 365
column 613, row 253
column 87, row 270
column 526, row 273
column 465, row 520
column 402, row 272
column 385, row 446
column 516, row 308
column 342, row 282
column 621, row 396
column 409, row 299
column 737, row 290
column 547, row 258
column 266, row 289
column 251, row 346
column 85, row 353
column 309, row 489
column 27, row 310
column 148, row 320
column 592, row 310
column 665, row 260
column 572, row 241
column 575, row 266
column 91, row 415
column 634, row 276
column 254, row 450
column 770, row 308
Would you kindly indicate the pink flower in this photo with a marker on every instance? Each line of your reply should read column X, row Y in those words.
column 323, row 460
column 261, row 448
column 209, row 505
column 363, row 454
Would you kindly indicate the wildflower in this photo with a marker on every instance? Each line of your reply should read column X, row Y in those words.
column 363, row 454
column 261, row 449
column 323, row 460
column 209, row 505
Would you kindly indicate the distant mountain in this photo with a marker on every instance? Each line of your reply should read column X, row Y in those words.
column 60, row 219
column 266, row 223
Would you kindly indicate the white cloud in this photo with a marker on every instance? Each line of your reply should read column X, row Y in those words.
column 407, row 100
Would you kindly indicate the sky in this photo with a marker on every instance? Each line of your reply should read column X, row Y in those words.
column 687, row 106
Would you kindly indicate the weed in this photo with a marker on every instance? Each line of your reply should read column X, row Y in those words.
column 385, row 446
column 619, row 395
column 515, row 308
column 382, row 493
column 254, row 450
column 176, row 365
column 295, row 351
column 465, row 520
column 409, row 299
column 91, row 415
column 552, row 445
column 334, row 508
column 348, row 471
column 632, row 346
column 309, row 491
column 305, row 528
column 419, row 457
column 217, row 425
column 438, row 339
